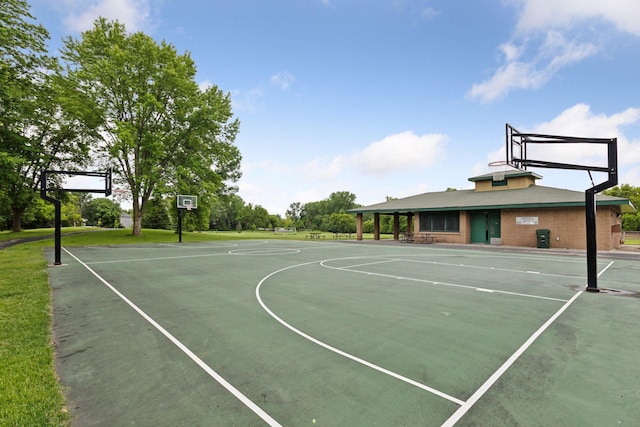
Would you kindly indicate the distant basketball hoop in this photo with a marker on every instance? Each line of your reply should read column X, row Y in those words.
column 184, row 202
column 188, row 202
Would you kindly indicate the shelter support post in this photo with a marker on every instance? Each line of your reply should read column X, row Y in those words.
column 359, row 219
column 396, row 226
column 376, row 226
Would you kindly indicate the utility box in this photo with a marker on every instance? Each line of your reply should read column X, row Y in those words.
column 543, row 235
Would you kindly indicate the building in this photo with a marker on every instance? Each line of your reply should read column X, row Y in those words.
column 505, row 208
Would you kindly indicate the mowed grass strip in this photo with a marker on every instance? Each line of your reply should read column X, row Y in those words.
column 30, row 394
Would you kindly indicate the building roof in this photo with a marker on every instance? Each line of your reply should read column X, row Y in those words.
column 535, row 196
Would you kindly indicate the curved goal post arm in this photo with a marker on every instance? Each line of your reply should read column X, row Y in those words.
column 517, row 156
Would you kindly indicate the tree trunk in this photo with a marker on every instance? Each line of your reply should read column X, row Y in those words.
column 137, row 218
column 16, row 223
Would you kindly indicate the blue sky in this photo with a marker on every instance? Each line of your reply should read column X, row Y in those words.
column 397, row 97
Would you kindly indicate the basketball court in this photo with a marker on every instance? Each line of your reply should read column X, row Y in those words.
column 340, row 333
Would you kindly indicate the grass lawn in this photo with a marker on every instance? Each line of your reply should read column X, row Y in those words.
column 30, row 394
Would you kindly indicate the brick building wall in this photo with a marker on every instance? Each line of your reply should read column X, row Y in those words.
column 567, row 227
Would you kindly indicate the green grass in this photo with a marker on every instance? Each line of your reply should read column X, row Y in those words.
column 30, row 394
column 632, row 242
column 29, row 391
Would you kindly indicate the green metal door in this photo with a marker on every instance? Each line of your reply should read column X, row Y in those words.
column 484, row 226
column 494, row 225
column 479, row 228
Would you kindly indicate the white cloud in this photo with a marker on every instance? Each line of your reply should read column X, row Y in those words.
column 401, row 151
column 283, row 80
column 134, row 14
column 553, row 54
column 544, row 14
column 395, row 153
column 250, row 100
column 418, row 10
column 555, row 34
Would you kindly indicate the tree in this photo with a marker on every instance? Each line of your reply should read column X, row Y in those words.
column 340, row 202
column 630, row 221
column 39, row 127
column 224, row 212
column 159, row 129
column 341, row 223
column 315, row 215
column 102, row 212
column 157, row 215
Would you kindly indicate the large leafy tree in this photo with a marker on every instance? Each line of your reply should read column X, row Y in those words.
column 630, row 221
column 160, row 131
column 39, row 127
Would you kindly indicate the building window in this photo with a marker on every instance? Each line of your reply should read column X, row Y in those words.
column 499, row 183
column 440, row 221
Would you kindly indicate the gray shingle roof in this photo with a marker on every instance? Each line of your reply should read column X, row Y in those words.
column 534, row 196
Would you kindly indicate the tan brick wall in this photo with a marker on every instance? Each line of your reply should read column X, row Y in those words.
column 567, row 228
column 512, row 183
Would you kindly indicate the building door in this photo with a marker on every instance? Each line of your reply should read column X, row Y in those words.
column 484, row 226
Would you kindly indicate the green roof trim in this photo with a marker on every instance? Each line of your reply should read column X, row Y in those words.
column 523, row 198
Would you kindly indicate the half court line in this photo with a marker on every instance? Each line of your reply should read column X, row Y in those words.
column 212, row 373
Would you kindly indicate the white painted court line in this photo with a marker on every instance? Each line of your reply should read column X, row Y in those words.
column 213, row 374
column 506, row 270
column 344, row 353
column 462, row 410
column 439, row 283
column 155, row 258
column 346, row 267
column 453, row 419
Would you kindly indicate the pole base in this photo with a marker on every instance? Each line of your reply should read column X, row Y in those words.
column 592, row 289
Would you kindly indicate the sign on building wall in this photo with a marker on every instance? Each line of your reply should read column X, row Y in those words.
column 526, row 220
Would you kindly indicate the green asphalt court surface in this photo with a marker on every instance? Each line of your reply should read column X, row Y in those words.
column 296, row 333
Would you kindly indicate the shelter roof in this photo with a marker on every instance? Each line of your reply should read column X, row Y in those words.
column 535, row 196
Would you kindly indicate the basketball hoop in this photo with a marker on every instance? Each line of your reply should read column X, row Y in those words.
column 498, row 163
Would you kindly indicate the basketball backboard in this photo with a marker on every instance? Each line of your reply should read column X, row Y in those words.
column 187, row 202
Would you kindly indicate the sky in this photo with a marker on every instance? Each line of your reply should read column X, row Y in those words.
column 392, row 98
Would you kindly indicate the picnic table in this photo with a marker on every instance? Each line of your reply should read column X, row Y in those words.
column 426, row 238
column 337, row 236
column 421, row 237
